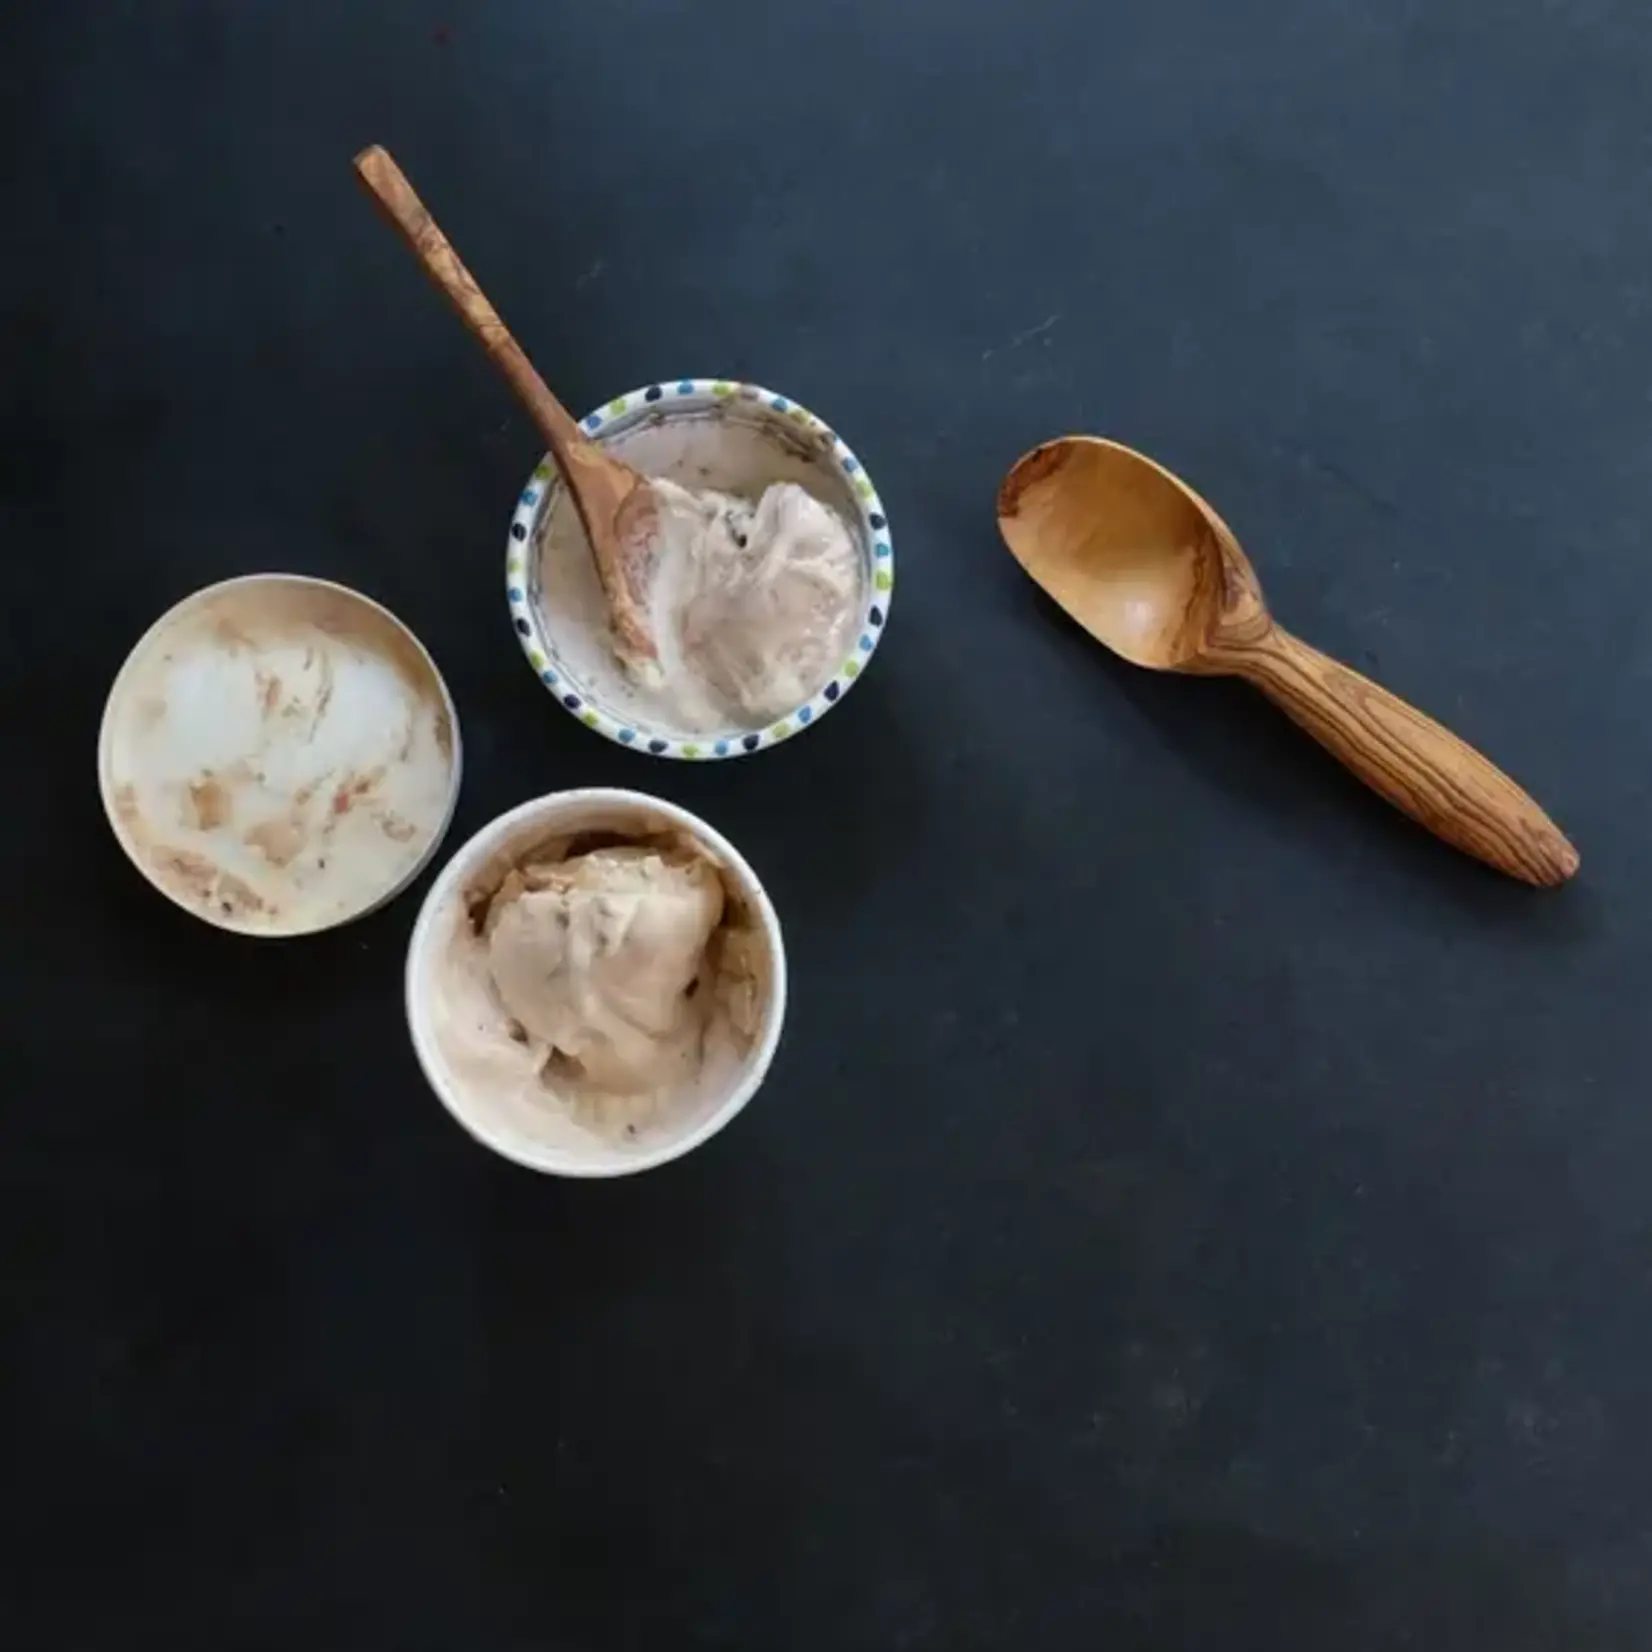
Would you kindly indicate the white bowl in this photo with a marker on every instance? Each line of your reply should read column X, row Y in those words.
column 279, row 755
column 704, row 433
column 533, row 1128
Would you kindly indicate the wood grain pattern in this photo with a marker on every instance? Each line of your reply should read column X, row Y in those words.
column 614, row 502
column 1149, row 568
column 1422, row 768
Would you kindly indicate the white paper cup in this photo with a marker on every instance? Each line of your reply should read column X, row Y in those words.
column 279, row 755
column 533, row 1127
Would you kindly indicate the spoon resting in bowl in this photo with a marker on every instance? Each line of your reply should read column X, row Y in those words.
column 1148, row 568
column 616, row 504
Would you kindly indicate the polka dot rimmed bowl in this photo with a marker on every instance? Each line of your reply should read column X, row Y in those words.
column 709, row 433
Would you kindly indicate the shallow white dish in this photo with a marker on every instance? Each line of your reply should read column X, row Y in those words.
column 707, row 433
column 279, row 755
column 535, row 1129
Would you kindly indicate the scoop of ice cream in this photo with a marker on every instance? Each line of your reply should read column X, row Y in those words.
column 597, row 957
column 751, row 604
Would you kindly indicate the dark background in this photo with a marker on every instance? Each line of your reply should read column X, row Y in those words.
column 1190, row 1208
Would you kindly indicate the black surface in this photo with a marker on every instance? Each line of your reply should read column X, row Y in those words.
column 1190, row 1207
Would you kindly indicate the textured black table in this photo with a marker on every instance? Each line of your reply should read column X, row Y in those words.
column 1190, row 1208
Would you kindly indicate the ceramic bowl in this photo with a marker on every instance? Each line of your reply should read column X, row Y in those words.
column 279, row 755
column 703, row 433
column 486, row 1086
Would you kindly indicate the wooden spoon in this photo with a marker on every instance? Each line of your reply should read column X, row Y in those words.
column 1147, row 567
column 615, row 502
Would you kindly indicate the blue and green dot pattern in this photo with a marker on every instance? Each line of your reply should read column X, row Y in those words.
column 660, row 401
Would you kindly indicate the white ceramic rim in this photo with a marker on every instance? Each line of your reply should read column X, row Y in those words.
column 624, row 413
column 105, row 757
column 473, row 852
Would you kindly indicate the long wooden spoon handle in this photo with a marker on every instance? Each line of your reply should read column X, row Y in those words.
column 389, row 186
column 1420, row 767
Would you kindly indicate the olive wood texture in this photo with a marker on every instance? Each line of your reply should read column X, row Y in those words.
column 615, row 503
column 1148, row 568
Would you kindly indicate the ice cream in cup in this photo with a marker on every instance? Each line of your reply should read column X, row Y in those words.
column 596, row 983
column 769, row 585
column 279, row 755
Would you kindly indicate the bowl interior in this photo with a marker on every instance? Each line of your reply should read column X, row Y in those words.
column 278, row 755
column 737, row 439
column 490, row 1085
